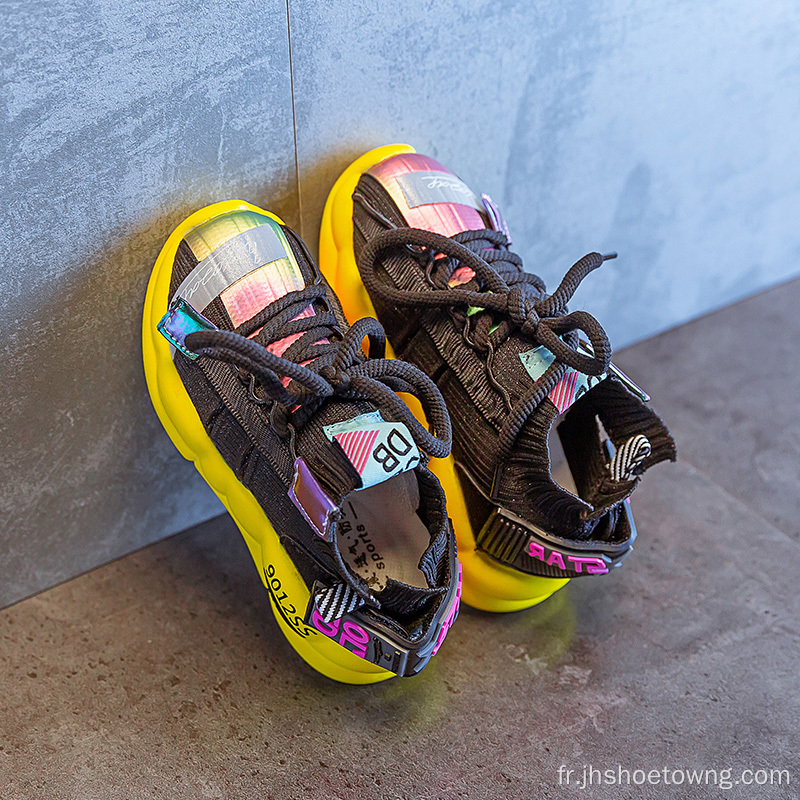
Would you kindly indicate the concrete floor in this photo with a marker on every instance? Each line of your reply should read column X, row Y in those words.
column 163, row 675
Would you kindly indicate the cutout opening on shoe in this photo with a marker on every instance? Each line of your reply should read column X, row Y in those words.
column 381, row 535
column 559, row 468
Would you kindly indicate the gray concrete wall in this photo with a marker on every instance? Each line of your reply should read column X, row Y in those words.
column 119, row 119
column 665, row 130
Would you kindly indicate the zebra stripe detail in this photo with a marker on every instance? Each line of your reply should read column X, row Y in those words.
column 336, row 601
column 629, row 456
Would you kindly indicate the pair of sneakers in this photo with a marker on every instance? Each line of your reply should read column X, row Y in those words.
column 329, row 443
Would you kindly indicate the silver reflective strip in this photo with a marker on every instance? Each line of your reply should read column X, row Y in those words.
column 423, row 188
column 230, row 262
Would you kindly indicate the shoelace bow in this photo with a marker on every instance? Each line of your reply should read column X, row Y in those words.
column 324, row 362
column 517, row 299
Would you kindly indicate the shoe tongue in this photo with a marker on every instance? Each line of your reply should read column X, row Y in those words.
column 348, row 445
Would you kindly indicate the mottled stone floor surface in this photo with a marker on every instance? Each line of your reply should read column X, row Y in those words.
column 163, row 675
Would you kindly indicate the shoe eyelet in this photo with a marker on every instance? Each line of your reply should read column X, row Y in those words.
column 253, row 395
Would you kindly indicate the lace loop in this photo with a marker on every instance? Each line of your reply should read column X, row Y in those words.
column 501, row 288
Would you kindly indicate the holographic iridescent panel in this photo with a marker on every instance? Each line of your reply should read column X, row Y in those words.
column 260, row 287
column 444, row 218
column 245, row 298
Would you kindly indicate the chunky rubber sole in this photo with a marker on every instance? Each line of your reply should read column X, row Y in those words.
column 488, row 585
column 288, row 593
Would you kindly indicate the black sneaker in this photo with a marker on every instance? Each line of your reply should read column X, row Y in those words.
column 405, row 239
column 257, row 378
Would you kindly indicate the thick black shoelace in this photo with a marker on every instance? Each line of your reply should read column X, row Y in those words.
column 323, row 362
column 516, row 301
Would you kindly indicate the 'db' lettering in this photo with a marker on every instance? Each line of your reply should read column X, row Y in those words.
column 385, row 458
column 402, row 447
column 388, row 453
